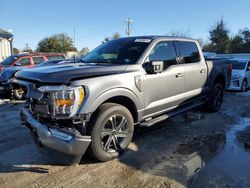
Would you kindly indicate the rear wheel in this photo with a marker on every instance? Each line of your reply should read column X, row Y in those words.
column 215, row 98
column 244, row 85
column 111, row 131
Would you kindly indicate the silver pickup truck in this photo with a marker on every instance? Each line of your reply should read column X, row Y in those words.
column 137, row 81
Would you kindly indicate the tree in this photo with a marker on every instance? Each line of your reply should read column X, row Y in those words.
column 180, row 33
column 245, row 34
column 60, row 43
column 15, row 51
column 84, row 51
column 219, row 36
column 27, row 50
column 106, row 39
column 209, row 47
column 235, row 45
column 116, row 35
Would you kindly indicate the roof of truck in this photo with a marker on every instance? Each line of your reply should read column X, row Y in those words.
column 159, row 36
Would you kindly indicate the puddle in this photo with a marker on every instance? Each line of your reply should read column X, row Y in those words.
column 221, row 160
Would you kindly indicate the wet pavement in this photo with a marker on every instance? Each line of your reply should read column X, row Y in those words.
column 230, row 166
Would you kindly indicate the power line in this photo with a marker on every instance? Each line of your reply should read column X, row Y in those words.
column 129, row 23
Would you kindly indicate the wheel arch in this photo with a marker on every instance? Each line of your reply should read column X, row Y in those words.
column 220, row 79
column 120, row 96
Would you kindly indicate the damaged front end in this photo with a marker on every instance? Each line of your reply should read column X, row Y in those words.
column 51, row 115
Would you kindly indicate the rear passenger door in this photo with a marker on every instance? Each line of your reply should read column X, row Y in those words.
column 195, row 69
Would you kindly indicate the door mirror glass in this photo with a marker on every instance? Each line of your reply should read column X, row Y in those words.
column 154, row 67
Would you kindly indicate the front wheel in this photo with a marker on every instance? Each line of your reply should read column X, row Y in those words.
column 215, row 98
column 244, row 85
column 111, row 131
column 18, row 93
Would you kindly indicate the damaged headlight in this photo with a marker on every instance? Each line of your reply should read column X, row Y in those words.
column 66, row 99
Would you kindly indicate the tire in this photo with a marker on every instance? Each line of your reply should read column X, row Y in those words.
column 19, row 93
column 215, row 98
column 111, row 130
column 244, row 85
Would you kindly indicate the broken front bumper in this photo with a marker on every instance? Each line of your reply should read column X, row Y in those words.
column 67, row 142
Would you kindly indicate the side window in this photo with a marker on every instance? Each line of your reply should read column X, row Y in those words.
column 164, row 51
column 24, row 61
column 189, row 52
column 55, row 57
column 38, row 60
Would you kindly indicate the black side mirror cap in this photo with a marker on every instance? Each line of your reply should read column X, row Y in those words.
column 154, row 67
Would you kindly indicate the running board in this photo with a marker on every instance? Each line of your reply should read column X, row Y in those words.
column 167, row 115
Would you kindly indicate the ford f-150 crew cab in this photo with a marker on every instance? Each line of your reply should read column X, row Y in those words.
column 134, row 81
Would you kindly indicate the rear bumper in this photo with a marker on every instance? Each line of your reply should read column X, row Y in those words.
column 74, row 146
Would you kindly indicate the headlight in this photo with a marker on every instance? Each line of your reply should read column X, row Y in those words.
column 66, row 99
column 236, row 76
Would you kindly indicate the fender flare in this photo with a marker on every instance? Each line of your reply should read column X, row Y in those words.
column 91, row 106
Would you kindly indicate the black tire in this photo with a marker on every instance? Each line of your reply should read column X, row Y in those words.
column 215, row 98
column 244, row 85
column 111, row 130
column 19, row 93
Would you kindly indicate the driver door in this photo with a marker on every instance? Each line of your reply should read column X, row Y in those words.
column 163, row 91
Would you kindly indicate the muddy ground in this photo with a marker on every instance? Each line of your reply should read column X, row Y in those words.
column 183, row 151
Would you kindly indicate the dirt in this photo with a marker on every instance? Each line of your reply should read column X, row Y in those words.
column 180, row 152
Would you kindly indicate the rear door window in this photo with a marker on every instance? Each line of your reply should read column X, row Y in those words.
column 24, row 61
column 37, row 60
column 189, row 52
column 55, row 57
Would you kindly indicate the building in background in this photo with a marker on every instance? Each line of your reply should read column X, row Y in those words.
column 6, row 48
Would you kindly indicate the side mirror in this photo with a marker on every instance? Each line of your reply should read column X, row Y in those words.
column 154, row 67
column 247, row 69
column 17, row 64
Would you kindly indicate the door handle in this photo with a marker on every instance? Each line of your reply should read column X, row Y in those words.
column 179, row 75
column 203, row 71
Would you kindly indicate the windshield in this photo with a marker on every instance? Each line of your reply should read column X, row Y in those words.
column 121, row 51
column 239, row 65
column 9, row 60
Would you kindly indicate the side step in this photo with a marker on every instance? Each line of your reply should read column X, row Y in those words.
column 167, row 115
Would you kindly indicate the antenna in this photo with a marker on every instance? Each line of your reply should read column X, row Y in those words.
column 129, row 23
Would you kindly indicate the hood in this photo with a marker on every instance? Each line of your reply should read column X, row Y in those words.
column 68, row 72
column 9, row 73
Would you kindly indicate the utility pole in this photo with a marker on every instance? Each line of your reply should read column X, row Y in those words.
column 129, row 23
column 26, row 46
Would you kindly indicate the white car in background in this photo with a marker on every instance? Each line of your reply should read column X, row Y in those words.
column 240, row 75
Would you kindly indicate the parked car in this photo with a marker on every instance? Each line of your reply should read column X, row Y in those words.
column 18, row 91
column 135, row 81
column 240, row 75
column 29, row 59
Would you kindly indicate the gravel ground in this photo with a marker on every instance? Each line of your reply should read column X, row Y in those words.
column 185, row 151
